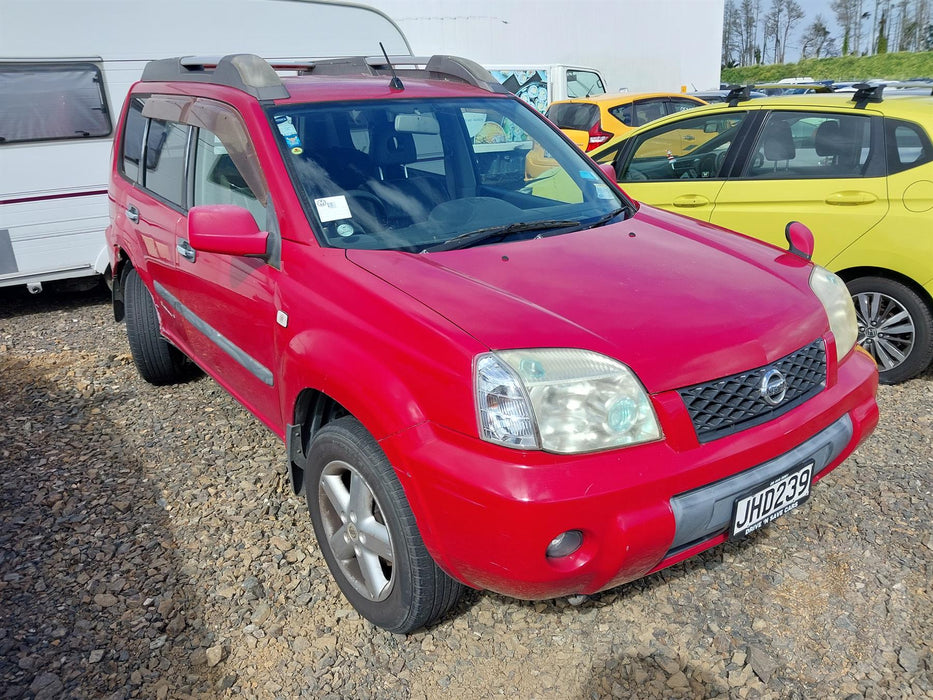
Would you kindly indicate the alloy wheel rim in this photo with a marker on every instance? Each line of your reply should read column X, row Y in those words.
column 355, row 530
column 885, row 328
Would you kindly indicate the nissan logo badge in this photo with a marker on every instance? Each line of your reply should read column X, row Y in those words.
column 773, row 387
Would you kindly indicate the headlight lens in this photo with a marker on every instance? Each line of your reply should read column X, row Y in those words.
column 561, row 400
column 840, row 310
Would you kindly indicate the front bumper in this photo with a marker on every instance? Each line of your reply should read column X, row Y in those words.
column 488, row 513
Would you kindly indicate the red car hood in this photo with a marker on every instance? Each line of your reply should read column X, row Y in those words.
column 680, row 302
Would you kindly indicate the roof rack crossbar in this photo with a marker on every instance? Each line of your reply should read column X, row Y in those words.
column 244, row 71
column 438, row 67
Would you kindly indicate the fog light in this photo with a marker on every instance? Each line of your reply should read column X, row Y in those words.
column 565, row 544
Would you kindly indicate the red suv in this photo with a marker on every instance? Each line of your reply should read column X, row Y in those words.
column 539, row 388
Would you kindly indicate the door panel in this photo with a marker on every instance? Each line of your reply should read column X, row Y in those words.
column 681, row 166
column 228, row 301
column 807, row 167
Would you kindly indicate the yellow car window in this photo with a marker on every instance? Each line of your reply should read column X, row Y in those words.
column 688, row 149
column 806, row 145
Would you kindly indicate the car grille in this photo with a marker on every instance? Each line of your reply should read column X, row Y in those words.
column 734, row 403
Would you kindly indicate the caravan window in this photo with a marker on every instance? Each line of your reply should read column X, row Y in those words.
column 52, row 101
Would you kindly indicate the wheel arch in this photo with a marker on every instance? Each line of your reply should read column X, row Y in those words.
column 853, row 273
column 122, row 267
column 341, row 378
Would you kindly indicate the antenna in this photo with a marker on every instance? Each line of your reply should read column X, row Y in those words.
column 395, row 84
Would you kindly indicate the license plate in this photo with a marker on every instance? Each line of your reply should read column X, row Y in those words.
column 769, row 502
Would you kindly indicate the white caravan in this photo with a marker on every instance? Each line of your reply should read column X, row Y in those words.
column 65, row 68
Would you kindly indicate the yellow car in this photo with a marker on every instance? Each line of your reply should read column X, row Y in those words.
column 591, row 121
column 856, row 169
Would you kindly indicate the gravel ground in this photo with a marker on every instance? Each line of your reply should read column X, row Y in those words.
column 150, row 547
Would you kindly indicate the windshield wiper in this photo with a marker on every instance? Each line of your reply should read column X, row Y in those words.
column 603, row 220
column 465, row 240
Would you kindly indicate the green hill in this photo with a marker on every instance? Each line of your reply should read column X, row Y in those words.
column 891, row 66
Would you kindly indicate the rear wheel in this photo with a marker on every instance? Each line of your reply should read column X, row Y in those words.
column 367, row 532
column 158, row 362
column 894, row 325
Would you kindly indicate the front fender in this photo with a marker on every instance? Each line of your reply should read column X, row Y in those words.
column 353, row 375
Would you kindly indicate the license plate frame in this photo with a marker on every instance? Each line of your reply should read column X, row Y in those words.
column 777, row 497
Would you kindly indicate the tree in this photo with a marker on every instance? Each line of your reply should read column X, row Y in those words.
column 882, row 44
column 731, row 25
column 815, row 40
column 749, row 13
column 779, row 23
column 849, row 16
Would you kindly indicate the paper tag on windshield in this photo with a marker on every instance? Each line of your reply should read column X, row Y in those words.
column 332, row 208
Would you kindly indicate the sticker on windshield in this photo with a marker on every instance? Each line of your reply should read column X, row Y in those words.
column 332, row 208
column 588, row 175
column 603, row 191
column 287, row 129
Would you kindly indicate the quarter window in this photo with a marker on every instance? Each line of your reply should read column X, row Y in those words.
column 52, row 101
column 907, row 144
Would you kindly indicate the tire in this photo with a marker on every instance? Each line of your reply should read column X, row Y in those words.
column 894, row 325
column 367, row 532
column 157, row 361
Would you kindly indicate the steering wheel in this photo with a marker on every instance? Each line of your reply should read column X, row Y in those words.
column 708, row 165
column 369, row 212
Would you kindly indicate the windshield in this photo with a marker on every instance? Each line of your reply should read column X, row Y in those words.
column 414, row 174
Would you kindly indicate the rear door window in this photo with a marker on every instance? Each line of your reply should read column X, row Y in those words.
column 52, row 101
column 809, row 145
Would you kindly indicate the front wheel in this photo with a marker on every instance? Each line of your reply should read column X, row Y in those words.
column 894, row 325
column 367, row 532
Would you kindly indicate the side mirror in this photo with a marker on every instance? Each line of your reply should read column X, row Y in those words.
column 609, row 171
column 226, row 229
column 799, row 239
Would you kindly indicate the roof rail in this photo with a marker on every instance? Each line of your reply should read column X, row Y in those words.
column 244, row 71
column 865, row 93
column 439, row 67
column 257, row 77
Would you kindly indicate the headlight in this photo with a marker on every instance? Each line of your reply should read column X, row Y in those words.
column 840, row 310
column 561, row 400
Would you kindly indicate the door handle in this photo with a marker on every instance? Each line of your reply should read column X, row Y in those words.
column 185, row 250
column 688, row 137
column 851, row 197
column 132, row 213
column 690, row 200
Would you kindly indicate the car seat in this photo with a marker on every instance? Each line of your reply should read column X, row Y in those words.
column 828, row 142
column 778, row 143
column 409, row 196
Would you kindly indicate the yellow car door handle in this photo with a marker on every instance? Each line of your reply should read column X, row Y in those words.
column 690, row 200
column 851, row 197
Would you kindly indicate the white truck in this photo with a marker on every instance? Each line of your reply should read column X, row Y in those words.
column 65, row 68
column 541, row 85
